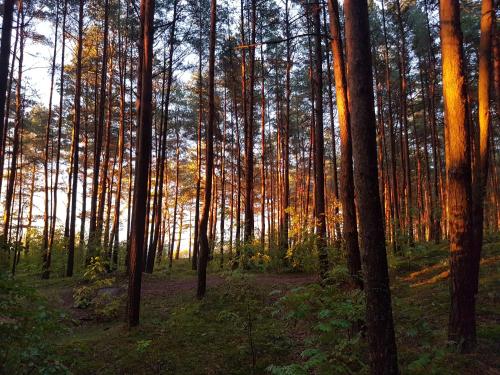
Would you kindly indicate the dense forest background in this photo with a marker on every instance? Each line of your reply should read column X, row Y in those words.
column 311, row 157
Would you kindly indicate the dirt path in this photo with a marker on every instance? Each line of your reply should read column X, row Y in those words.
column 154, row 287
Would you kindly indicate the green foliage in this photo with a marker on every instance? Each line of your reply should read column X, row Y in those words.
column 143, row 345
column 288, row 327
column 334, row 319
column 98, row 292
column 252, row 257
column 25, row 322
column 302, row 256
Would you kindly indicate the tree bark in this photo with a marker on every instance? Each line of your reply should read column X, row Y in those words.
column 98, row 140
column 394, row 188
column 47, row 260
column 380, row 326
column 462, row 324
column 319, row 173
column 46, row 220
column 142, row 164
column 249, row 216
column 350, row 230
column 204, row 245
column 196, row 240
column 8, row 15
column 481, row 170
column 75, row 142
column 9, row 195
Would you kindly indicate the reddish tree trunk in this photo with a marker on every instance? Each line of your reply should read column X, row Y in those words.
column 142, row 164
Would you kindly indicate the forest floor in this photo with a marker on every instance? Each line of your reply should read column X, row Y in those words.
column 248, row 323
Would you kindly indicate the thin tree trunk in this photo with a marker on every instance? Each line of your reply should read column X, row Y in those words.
column 5, row 119
column 45, row 233
column 319, row 174
column 249, row 118
column 105, row 168
column 75, row 141
column 483, row 154
column 196, row 240
column 178, row 249
column 8, row 15
column 121, row 152
column 163, row 141
column 285, row 214
column 84, row 179
column 395, row 200
column 47, row 260
column 9, row 196
column 404, row 115
column 204, row 245
column 176, row 198
column 98, row 138
column 223, row 184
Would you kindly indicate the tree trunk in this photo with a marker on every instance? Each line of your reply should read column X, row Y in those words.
column 481, row 170
column 114, row 243
column 196, row 240
column 223, row 184
column 84, row 180
column 337, row 233
column 204, row 245
column 9, row 195
column 380, row 326
column 8, row 12
column 46, row 221
column 404, row 116
column 142, row 163
column 462, row 324
column 47, row 260
column 103, row 185
column 98, row 138
column 5, row 119
column 394, row 180
column 285, row 214
column 176, row 198
column 249, row 221
column 350, row 230
column 178, row 249
column 163, row 142
column 75, row 142
column 319, row 174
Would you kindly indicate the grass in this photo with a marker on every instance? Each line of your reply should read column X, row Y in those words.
column 244, row 325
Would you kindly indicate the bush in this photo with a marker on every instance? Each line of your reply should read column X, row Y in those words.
column 25, row 320
column 334, row 317
column 302, row 256
column 98, row 292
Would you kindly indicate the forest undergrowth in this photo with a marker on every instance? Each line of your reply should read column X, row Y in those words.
column 256, row 321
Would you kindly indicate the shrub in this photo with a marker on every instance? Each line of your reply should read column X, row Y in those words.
column 25, row 320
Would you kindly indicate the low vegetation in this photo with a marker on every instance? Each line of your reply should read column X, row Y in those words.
column 254, row 320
